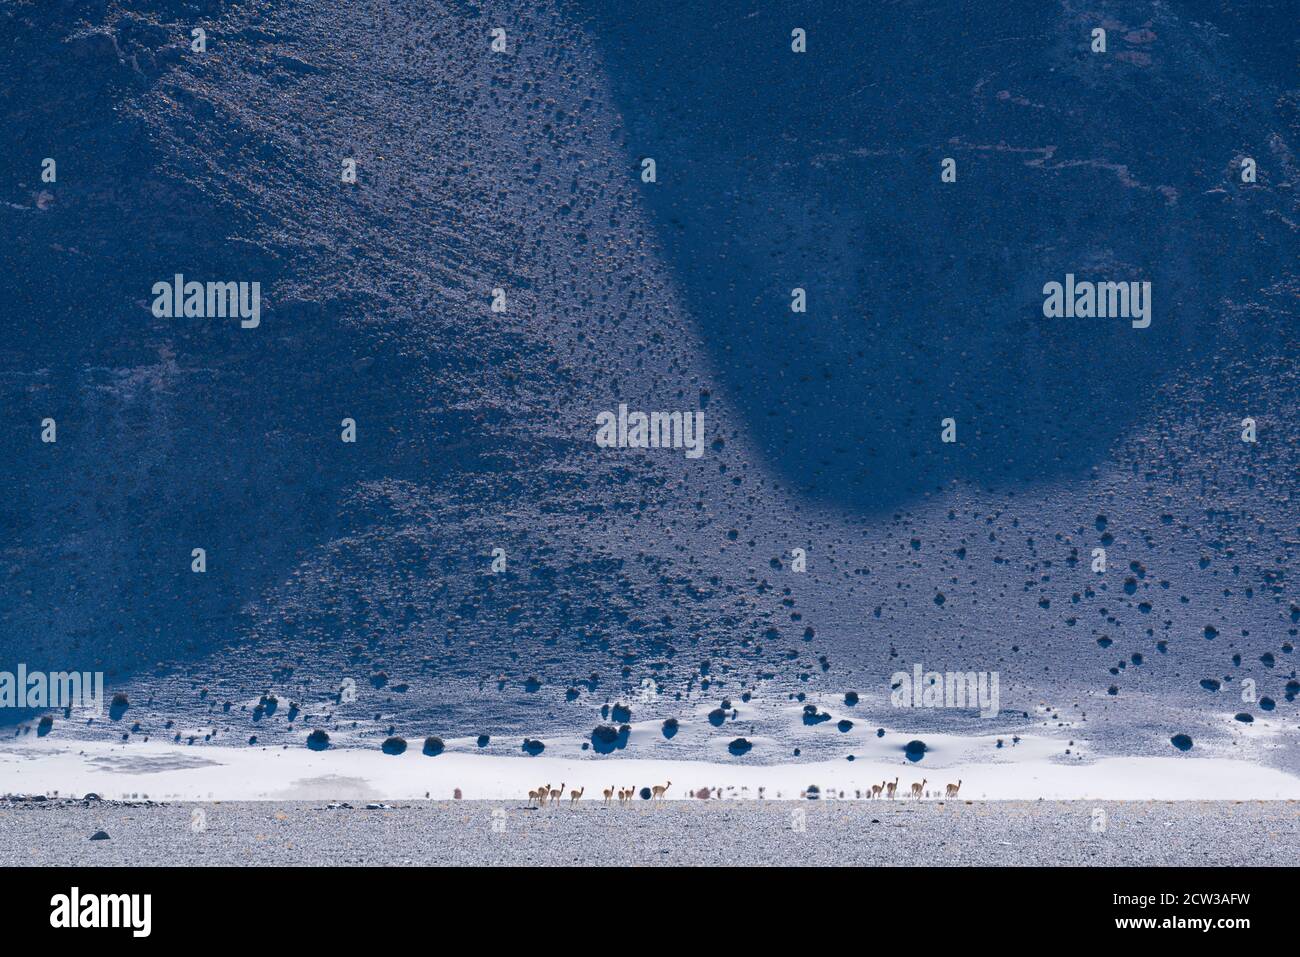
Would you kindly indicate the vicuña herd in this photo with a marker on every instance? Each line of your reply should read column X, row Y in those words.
column 547, row 794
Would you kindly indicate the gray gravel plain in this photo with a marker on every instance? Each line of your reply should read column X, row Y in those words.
column 681, row 833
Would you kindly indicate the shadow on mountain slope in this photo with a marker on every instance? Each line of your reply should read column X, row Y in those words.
column 821, row 171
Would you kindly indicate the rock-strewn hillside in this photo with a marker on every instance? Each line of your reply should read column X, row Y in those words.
column 646, row 576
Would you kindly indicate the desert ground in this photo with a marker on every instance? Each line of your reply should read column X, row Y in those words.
column 675, row 833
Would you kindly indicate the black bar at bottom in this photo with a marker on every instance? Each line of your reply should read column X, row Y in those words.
column 339, row 906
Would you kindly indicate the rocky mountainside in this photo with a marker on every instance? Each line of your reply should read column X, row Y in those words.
column 645, row 577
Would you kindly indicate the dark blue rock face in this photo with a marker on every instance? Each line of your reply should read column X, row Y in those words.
column 919, row 293
column 473, row 560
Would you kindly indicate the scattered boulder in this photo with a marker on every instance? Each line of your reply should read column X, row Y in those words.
column 318, row 740
column 433, row 746
column 606, row 738
column 812, row 716
column 394, row 745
